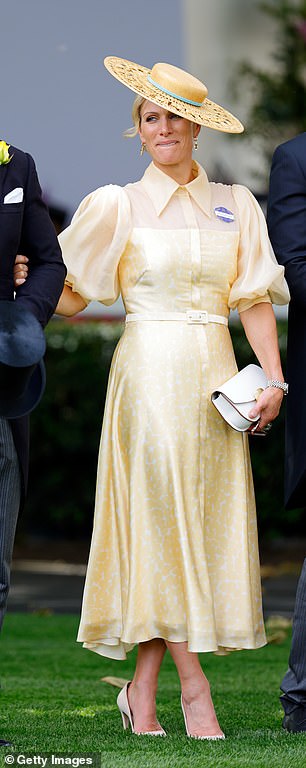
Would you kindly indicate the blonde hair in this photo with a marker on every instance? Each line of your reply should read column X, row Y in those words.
column 136, row 117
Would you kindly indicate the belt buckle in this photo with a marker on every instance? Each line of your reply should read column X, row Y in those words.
column 197, row 316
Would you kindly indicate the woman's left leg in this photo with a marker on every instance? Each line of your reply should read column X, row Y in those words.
column 197, row 704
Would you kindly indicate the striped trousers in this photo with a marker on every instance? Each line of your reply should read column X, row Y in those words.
column 9, row 507
column 293, row 684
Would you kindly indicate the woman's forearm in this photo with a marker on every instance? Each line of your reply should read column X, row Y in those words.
column 70, row 303
column 260, row 328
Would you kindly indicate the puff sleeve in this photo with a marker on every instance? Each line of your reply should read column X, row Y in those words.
column 259, row 276
column 94, row 242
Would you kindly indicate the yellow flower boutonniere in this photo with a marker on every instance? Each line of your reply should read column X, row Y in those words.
column 5, row 157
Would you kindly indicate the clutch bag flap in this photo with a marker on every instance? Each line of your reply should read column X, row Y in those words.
column 234, row 398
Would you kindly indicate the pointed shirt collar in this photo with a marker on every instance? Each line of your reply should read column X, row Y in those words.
column 160, row 188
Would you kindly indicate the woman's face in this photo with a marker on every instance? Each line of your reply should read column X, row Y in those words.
column 168, row 137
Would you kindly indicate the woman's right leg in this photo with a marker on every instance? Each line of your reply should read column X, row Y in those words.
column 142, row 690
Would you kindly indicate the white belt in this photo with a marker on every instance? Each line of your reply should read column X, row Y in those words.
column 191, row 316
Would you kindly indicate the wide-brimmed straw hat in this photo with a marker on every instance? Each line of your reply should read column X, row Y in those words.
column 22, row 370
column 175, row 90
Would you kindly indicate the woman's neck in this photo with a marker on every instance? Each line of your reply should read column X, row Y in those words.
column 182, row 173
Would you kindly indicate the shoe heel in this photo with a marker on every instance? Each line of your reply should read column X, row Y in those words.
column 185, row 718
column 124, row 708
column 125, row 721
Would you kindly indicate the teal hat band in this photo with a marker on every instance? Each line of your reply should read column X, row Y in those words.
column 175, row 95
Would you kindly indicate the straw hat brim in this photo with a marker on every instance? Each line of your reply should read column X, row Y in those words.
column 135, row 77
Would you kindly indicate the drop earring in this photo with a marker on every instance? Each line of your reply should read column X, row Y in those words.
column 195, row 143
column 142, row 149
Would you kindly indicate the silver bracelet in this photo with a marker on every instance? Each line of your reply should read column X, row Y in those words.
column 278, row 385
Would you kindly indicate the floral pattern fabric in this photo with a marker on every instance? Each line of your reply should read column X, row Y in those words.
column 174, row 551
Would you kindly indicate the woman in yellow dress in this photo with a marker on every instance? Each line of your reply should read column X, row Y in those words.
column 174, row 554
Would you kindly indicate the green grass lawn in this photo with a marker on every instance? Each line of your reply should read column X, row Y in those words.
column 53, row 701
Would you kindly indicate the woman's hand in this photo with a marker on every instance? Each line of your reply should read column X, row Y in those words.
column 21, row 270
column 267, row 407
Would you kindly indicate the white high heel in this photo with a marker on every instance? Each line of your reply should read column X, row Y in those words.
column 127, row 717
column 217, row 737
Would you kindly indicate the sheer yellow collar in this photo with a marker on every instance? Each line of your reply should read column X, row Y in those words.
column 160, row 188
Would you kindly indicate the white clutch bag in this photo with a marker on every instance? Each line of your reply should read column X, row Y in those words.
column 235, row 398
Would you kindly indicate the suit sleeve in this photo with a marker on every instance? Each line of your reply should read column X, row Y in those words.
column 286, row 218
column 42, row 289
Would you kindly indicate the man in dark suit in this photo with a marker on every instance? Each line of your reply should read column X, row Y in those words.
column 287, row 230
column 25, row 227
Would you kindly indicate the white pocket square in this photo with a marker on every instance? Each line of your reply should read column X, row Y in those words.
column 15, row 196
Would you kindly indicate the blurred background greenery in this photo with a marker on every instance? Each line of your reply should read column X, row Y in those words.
column 65, row 433
column 275, row 94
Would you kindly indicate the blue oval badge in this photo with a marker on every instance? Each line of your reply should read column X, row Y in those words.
column 224, row 214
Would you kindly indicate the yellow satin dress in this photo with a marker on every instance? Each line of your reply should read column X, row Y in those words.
column 174, row 550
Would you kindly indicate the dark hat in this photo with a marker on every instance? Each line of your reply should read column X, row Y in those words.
column 22, row 370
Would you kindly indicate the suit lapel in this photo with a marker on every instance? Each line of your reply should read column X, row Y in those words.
column 3, row 175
